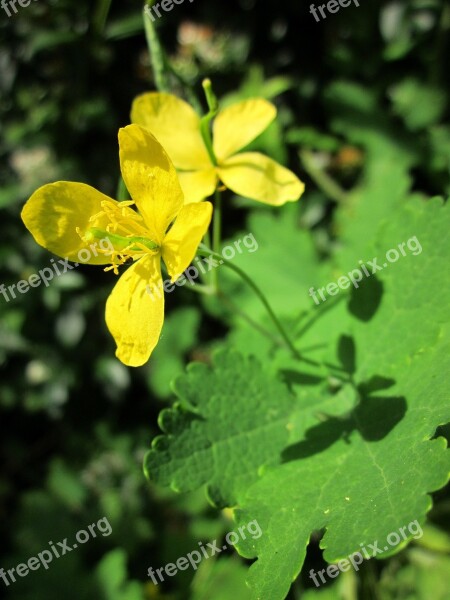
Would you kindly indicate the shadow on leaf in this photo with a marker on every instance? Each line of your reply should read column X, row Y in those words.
column 373, row 416
column 365, row 301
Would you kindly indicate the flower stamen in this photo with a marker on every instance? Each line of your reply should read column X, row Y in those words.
column 125, row 233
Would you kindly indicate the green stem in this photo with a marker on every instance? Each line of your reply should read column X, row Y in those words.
column 217, row 235
column 210, row 276
column 235, row 308
column 206, row 135
column 207, row 239
column 101, row 14
column 326, row 183
column 260, row 295
column 156, row 54
column 211, row 100
column 159, row 65
column 205, row 122
column 217, row 222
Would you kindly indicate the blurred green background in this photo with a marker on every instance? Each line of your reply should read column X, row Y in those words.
column 75, row 423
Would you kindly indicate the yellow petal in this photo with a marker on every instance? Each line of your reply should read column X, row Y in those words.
column 54, row 212
column 150, row 178
column 133, row 315
column 197, row 185
column 258, row 177
column 238, row 125
column 181, row 243
column 175, row 125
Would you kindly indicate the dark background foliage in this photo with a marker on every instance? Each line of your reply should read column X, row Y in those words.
column 74, row 422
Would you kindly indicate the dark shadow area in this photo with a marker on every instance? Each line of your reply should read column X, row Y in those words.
column 365, row 301
column 347, row 354
column 374, row 416
column 291, row 378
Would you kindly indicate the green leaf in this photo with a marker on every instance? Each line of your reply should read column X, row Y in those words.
column 393, row 337
column 418, row 104
column 285, row 258
column 112, row 577
column 65, row 484
column 217, row 433
column 361, row 449
column 365, row 475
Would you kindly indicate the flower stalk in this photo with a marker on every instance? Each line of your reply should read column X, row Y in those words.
column 249, row 281
column 205, row 122
column 156, row 54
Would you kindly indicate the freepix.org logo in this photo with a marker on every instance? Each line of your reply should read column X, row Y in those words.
column 166, row 5
column 332, row 7
column 58, row 268
column 44, row 558
column 194, row 558
column 10, row 8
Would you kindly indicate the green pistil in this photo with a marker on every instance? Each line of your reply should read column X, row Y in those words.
column 205, row 122
column 120, row 242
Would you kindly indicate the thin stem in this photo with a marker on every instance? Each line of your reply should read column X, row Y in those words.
column 101, row 14
column 235, row 308
column 217, row 235
column 319, row 313
column 211, row 98
column 205, row 122
column 217, row 222
column 260, row 295
column 206, row 135
column 208, row 290
column 156, row 53
column 159, row 68
column 326, row 183
column 207, row 239
column 210, row 276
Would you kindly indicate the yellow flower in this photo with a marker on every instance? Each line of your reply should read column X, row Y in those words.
column 66, row 217
column 251, row 174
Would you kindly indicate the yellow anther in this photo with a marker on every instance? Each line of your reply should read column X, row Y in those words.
column 125, row 232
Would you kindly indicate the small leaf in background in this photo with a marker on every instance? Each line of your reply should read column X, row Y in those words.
column 418, row 104
column 113, row 578
column 221, row 580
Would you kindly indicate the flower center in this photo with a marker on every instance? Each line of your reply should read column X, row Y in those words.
column 126, row 235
